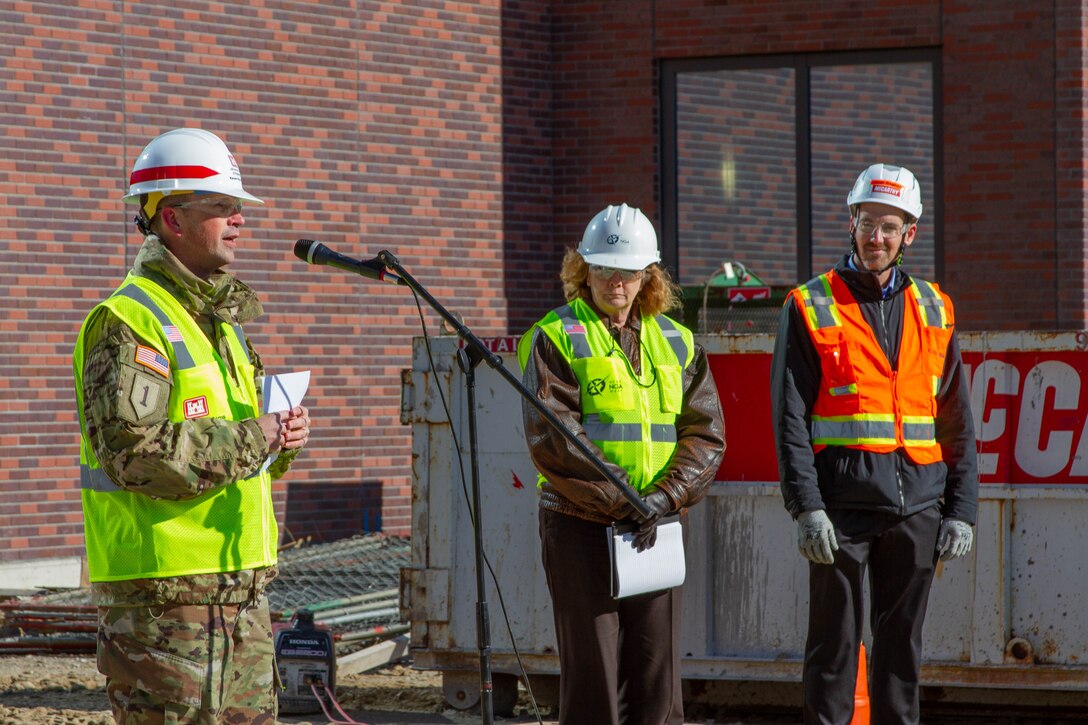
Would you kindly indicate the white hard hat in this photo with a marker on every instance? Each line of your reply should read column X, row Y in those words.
column 621, row 237
column 887, row 184
column 186, row 160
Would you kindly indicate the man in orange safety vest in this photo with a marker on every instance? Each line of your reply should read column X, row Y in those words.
column 876, row 451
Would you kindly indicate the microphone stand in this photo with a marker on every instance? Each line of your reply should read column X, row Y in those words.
column 468, row 357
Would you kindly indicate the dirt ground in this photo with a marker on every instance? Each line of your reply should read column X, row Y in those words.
column 68, row 690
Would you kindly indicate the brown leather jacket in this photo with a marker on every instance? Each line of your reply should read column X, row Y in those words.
column 573, row 485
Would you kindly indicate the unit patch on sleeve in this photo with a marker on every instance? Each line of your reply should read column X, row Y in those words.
column 146, row 396
column 151, row 358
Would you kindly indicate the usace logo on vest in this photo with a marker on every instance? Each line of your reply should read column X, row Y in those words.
column 195, row 407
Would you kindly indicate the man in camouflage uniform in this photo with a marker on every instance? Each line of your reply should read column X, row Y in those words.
column 181, row 535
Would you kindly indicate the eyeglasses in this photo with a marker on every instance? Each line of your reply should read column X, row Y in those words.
column 602, row 272
column 216, row 206
column 887, row 230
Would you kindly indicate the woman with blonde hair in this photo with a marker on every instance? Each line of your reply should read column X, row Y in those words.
column 632, row 384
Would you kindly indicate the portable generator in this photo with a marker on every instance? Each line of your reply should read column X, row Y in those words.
column 305, row 657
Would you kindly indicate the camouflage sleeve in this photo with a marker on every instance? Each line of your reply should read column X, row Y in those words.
column 282, row 463
column 125, row 406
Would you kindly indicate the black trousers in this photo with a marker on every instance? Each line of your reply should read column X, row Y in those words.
column 619, row 660
column 900, row 556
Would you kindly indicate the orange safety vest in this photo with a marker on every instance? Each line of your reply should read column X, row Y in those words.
column 863, row 403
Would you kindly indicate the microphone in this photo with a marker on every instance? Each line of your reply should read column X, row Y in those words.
column 313, row 252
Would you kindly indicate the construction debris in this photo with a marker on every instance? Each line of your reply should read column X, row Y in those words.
column 351, row 586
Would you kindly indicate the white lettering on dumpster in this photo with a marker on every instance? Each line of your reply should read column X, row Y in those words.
column 1029, row 417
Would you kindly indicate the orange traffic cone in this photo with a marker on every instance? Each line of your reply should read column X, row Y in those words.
column 861, row 692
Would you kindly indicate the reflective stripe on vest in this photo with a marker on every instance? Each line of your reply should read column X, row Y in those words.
column 854, row 430
column 597, row 429
column 919, row 430
column 819, row 304
column 181, row 351
column 241, row 340
column 95, row 479
column 576, row 331
column 674, row 337
column 930, row 304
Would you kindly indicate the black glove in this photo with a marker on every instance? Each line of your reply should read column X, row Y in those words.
column 659, row 504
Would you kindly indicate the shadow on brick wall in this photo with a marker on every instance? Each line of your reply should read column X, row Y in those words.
column 331, row 511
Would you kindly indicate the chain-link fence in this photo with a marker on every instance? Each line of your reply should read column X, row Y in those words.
column 350, row 585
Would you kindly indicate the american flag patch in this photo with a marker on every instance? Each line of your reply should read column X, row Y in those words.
column 172, row 333
column 150, row 358
column 575, row 329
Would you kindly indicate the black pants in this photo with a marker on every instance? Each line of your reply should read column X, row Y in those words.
column 900, row 555
column 619, row 660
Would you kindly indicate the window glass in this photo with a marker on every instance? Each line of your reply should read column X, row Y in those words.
column 736, row 175
column 863, row 114
column 741, row 190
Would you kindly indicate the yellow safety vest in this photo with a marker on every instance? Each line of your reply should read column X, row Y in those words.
column 231, row 528
column 631, row 418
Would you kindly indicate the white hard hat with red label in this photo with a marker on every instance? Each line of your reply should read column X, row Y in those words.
column 621, row 237
column 185, row 161
column 887, row 184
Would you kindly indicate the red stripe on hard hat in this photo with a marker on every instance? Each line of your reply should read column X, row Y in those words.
column 883, row 186
column 157, row 173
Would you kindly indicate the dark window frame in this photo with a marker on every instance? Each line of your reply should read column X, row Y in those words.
column 802, row 64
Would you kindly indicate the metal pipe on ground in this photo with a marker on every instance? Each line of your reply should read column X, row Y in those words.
column 374, row 633
column 391, row 613
column 343, row 602
column 364, row 607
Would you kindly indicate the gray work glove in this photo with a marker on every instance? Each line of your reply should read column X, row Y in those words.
column 816, row 537
column 659, row 505
column 954, row 539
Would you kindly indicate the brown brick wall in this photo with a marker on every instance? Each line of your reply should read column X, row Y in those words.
column 529, row 276
column 706, row 28
column 1071, row 175
column 605, row 151
column 474, row 140
column 364, row 125
column 1000, row 171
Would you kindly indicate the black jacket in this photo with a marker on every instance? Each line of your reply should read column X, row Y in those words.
column 847, row 478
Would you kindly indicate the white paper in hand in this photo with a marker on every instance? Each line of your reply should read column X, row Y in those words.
column 662, row 566
column 283, row 392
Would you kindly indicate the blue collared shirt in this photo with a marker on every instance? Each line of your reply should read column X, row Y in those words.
column 885, row 290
